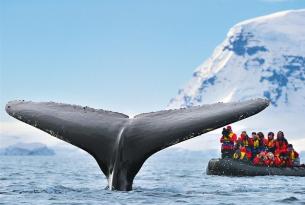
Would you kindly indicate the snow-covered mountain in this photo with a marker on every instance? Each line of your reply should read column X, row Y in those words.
column 260, row 57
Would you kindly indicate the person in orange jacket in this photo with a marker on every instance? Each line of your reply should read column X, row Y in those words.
column 281, row 144
column 270, row 142
column 293, row 156
column 227, row 144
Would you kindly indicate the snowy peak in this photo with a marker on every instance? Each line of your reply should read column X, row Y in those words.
column 261, row 57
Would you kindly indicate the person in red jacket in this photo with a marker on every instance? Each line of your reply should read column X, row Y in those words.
column 245, row 141
column 270, row 142
column 281, row 144
column 269, row 159
column 232, row 135
column 259, row 160
column 277, row 161
column 227, row 144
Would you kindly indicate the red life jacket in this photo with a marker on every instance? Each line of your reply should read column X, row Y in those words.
column 257, row 161
column 249, row 154
column 233, row 136
column 268, row 162
column 277, row 161
column 281, row 146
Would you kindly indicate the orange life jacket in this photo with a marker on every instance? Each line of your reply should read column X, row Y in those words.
column 292, row 156
column 270, row 143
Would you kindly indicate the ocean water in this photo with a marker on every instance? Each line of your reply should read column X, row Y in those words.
column 168, row 177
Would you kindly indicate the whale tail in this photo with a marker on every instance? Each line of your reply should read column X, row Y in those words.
column 121, row 145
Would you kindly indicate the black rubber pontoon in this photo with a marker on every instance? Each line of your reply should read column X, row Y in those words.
column 230, row 167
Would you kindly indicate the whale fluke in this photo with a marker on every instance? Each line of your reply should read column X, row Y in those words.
column 121, row 144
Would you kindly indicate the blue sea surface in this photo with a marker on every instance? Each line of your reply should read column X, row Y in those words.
column 168, row 177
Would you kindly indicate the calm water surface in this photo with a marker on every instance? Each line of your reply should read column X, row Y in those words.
column 166, row 178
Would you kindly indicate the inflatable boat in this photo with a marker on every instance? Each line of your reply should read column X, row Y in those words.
column 230, row 167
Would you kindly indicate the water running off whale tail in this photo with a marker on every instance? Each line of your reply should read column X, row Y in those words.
column 121, row 145
column 116, row 159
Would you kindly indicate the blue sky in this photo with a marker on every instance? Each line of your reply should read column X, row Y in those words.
column 127, row 56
